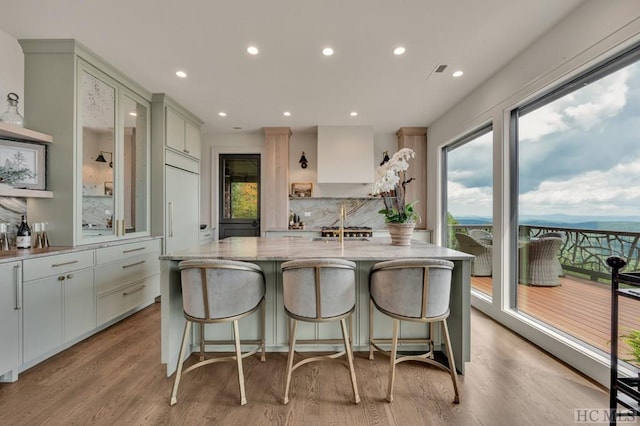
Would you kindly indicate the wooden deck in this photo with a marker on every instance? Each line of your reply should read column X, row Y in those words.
column 578, row 307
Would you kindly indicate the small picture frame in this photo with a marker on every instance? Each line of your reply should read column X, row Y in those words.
column 23, row 165
column 301, row 190
column 108, row 188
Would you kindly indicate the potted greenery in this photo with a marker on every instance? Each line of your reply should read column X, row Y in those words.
column 391, row 183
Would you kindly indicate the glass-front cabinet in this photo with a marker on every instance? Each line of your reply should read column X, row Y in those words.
column 113, row 124
column 99, row 166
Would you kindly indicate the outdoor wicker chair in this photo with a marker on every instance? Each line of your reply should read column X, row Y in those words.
column 481, row 235
column 554, row 235
column 540, row 261
column 481, row 265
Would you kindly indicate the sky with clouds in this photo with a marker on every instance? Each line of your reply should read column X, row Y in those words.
column 579, row 155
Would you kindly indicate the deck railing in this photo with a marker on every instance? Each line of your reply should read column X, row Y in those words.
column 584, row 251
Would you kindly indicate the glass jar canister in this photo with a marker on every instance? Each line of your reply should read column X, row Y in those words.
column 11, row 115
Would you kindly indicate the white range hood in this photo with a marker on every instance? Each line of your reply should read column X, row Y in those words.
column 345, row 154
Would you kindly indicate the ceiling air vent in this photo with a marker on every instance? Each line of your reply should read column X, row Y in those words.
column 440, row 68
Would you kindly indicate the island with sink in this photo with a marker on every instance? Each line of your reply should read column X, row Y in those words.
column 269, row 253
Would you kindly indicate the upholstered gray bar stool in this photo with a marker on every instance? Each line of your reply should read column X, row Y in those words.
column 217, row 291
column 412, row 290
column 319, row 290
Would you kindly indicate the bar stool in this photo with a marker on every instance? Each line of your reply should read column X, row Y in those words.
column 319, row 290
column 415, row 290
column 217, row 291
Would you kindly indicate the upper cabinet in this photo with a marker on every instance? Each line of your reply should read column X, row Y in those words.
column 182, row 133
column 100, row 167
column 345, row 154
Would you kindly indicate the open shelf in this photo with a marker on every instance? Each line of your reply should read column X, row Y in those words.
column 26, row 193
column 10, row 131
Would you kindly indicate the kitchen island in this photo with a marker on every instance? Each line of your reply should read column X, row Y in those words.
column 269, row 253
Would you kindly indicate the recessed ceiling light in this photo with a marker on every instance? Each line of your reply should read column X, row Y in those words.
column 181, row 74
column 399, row 50
column 133, row 114
column 286, row 114
column 252, row 50
column 353, row 114
column 327, row 51
column 222, row 114
column 457, row 73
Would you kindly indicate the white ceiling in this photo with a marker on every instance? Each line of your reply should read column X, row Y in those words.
column 149, row 40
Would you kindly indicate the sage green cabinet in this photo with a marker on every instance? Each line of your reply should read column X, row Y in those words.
column 59, row 302
column 127, row 276
column 175, row 173
column 183, row 135
column 10, row 320
column 99, row 166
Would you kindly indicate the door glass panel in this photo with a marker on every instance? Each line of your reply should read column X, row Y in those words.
column 469, row 204
column 97, row 115
column 134, row 170
column 578, row 204
column 240, row 195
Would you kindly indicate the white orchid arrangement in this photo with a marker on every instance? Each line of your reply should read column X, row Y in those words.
column 391, row 185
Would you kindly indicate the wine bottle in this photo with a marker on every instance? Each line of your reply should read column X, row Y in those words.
column 23, row 237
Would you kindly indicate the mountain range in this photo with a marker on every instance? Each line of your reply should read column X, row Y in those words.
column 609, row 223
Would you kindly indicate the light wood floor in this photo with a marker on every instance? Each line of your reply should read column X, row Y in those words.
column 115, row 378
column 578, row 307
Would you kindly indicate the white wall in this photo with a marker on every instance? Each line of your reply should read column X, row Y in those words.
column 11, row 71
column 596, row 29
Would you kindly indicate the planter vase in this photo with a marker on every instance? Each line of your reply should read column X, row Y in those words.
column 400, row 233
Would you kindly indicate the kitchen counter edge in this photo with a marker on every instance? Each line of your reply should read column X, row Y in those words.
column 24, row 254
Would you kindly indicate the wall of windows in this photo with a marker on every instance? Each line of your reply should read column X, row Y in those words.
column 578, row 192
column 552, row 166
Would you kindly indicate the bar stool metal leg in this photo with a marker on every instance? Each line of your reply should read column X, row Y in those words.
column 236, row 335
column 392, row 360
column 292, row 345
column 262, row 338
column 452, row 362
column 349, row 355
column 201, row 327
column 370, row 329
column 176, row 382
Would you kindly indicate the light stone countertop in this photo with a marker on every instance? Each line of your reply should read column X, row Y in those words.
column 288, row 248
column 24, row 254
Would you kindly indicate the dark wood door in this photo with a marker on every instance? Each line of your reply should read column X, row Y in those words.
column 239, row 195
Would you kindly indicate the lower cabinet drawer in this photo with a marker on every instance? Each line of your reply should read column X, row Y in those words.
column 126, row 298
column 58, row 264
column 132, row 269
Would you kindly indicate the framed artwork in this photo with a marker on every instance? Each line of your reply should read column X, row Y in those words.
column 108, row 188
column 22, row 165
column 301, row 189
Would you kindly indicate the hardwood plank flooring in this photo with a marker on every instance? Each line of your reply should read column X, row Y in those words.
column 115, row 378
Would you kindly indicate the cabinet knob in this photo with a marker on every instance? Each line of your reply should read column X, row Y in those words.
column 61, row 278
column 69, row 276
